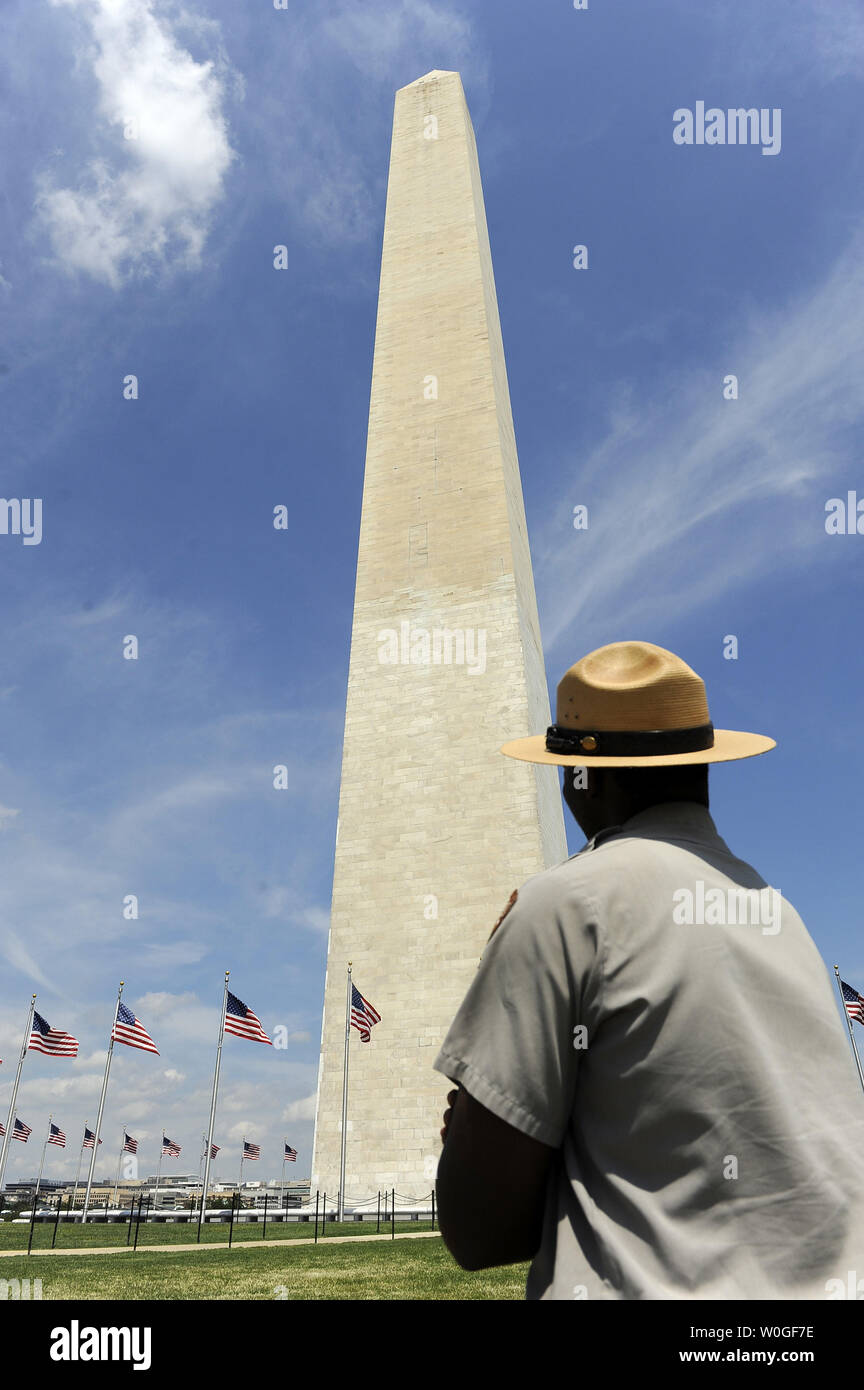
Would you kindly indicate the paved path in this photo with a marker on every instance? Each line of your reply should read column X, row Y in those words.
column 218, row 1245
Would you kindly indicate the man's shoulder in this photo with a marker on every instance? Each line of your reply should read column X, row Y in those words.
column 570, row 877
column 615, row 850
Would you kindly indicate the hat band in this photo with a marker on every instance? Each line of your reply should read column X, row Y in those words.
column 630, row 744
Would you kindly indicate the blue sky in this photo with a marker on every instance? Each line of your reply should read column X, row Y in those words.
column 153, row 256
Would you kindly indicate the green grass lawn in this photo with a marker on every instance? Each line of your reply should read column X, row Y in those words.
column 400, row 1269
column 78, row 1237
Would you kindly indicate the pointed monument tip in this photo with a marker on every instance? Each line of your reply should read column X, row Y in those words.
column 429, row 77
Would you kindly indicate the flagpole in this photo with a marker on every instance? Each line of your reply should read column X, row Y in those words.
column 4, row 1152
column 213, row 1104
column 119, row 1164
column 78, row 1173
column 42, row 1163
column 242, row 1156
column 101, row 1107
column 849, row 1026
column 158, row 1173
column 341, row 1211
column 284, row 1142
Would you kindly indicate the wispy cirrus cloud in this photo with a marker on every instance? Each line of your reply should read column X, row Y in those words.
column 331, row 171
column 817, row 40
column 822, row 38
column 677, row 493
column 160, row 148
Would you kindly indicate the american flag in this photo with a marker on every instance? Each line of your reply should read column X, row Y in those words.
column 89, row 1136
column 169, row 1148
column 242, row 1021
column 854, row 1002
column 44, row 1038
column 56, row 1136
column 214, row 1149
column 21, row 1131
column 290, row 1154
column 251, row 1150
column 130, row 1145
column 363, row 1016
column 129, row 1030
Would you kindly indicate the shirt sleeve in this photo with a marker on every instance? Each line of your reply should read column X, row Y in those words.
column 515, row 1042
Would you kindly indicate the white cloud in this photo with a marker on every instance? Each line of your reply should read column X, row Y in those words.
column 58, row 1092
column 176, row 1017
column 143, row 202
column 301, row 1109
column 283, row 902
column 162, row 1004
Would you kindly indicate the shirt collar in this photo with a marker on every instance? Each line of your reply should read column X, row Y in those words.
column 669, row 820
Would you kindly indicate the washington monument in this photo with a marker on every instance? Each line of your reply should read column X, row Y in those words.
column 435, row 827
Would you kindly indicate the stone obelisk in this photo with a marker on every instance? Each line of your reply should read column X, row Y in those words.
column 436, row 827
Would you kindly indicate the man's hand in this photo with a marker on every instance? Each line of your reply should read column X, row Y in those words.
column 448, row 1114
column 491, row 1186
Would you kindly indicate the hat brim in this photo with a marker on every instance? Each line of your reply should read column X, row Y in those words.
column 729, row 745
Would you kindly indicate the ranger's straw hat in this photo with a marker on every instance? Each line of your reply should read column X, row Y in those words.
column 631, row 704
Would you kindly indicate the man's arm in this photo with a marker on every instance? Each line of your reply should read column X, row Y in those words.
column 491, row 1187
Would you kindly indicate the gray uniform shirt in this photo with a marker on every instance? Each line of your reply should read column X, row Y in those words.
column 652, row 1010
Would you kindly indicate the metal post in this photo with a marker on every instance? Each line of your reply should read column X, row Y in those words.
column 324, row 1217
column 138, row 1221
column 119, row 1165
column 42, row 1160
column 101, row 1107
column 264, row 1234
column 57, row 1221
column 201, row 1159
column 849, row 1026
column 32, row 1223
column 10, row 1121
column 316, row 1216
column 433, row 1208
column 393, row 1214
column 131, row 1214
column 159, row 1172
column 78, row 1171
column 340, row 1210
column 231, row 1225
column 213, row 1105
column 378, row 1227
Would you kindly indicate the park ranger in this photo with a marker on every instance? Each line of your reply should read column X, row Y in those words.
column 656, row 1096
